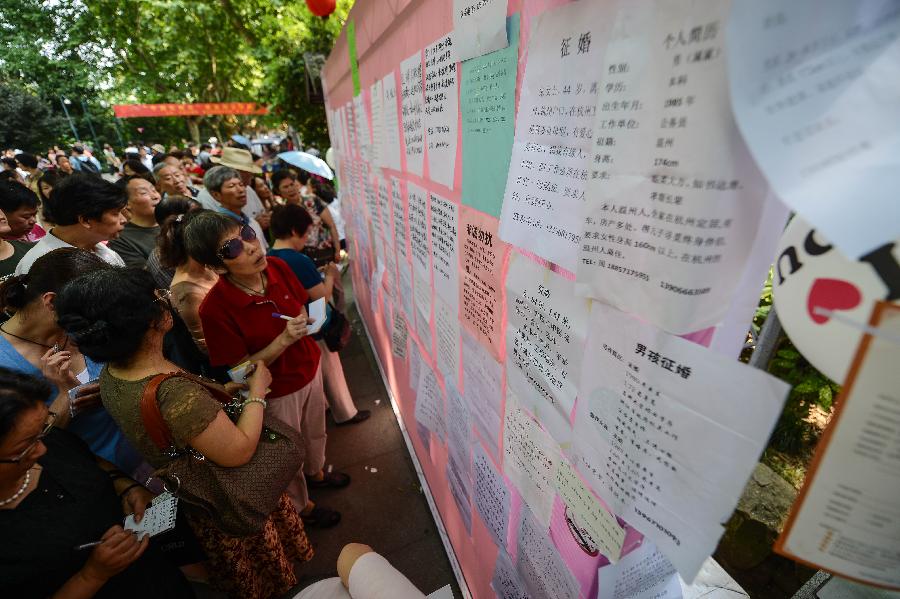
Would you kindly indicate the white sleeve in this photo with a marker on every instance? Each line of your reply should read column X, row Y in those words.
column 373, row 577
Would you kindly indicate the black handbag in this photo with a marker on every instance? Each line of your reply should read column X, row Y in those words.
column 336, row 332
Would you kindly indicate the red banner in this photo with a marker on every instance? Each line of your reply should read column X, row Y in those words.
column 124, row 111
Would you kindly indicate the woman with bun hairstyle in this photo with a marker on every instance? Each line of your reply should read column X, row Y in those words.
column 119, row 316
column 192, row 280
column 32, row 342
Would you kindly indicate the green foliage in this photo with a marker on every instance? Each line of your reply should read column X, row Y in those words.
column 26, row 121
column 102, row 52
column 794, row 433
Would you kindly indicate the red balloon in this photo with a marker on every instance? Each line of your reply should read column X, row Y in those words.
column 321, row 8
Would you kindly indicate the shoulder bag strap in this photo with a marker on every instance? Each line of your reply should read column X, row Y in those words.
column 155, row 425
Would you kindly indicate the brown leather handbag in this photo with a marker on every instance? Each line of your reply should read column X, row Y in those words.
column 237, row 499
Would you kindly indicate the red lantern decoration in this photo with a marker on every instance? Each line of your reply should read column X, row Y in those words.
column 321, row 8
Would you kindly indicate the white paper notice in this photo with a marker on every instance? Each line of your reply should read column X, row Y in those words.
column 413, row 107
column 377, row 98
column 586, row 510
column 667, row 432
column 848, row 521
column 551, row 157
column 675, row 200
column 539, row 564
column 441, row 110
column 446, row 328
column 545, row 336
column 479, row 27
column 387, row 235
column 430, row 403
column 483, row 385
column 491, row 495
column 363, row 134
column 645, row 573
column 419, row 234
column 445, row 248
column 391, row 118
column 531, row 456
column 399, row 335
column 506, row 582
column 814, row 85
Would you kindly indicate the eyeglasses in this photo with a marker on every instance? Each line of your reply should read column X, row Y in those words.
column 234, row 247
column 51, row 418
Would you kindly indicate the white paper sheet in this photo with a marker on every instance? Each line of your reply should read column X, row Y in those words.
column 491, row 495
column 363, row 133
column 413, row 109
column 316, row 312
column 530, row 460
column 446, row 329
column 387, row 234
column 483, row 385
column 551, row 157
column 399, row 335
column 506, row 582
column 587, row 511
column 370, row 190
column 377, row 98
column 460, row 493
column 391, row 118
column 539, row 565
column 675, row 201
column 814, row 84
column 445, row 248
column 459, row 433
column 645, row 573
column 430, row 403
column 848, row 521
column 667, row 432
column 545, row 332
column 419, row 233
column 479, row 27
column 441, row 109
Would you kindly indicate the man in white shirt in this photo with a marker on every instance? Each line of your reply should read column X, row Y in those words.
column 241, row 161
column 87, row 211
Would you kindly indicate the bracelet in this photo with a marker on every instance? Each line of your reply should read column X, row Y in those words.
column 128, row 488
column 258, row 400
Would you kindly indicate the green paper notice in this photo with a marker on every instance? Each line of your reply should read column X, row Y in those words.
column 354, row 64
column 488, row 104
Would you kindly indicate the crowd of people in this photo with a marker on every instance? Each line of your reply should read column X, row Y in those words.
column 195, row 266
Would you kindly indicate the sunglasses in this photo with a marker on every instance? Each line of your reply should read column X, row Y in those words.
column 234, row 247
column 51, row 418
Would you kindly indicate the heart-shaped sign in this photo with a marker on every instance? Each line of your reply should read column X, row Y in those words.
column 812, row 281
column 827, row 295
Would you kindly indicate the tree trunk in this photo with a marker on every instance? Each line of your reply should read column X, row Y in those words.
column 193, row 128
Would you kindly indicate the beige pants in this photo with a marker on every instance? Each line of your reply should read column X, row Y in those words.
column 304, row 410
column 336, row 391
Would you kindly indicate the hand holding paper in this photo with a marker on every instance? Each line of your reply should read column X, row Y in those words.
column 316, row 318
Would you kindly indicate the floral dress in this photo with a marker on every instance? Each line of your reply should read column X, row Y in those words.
column 255, row 567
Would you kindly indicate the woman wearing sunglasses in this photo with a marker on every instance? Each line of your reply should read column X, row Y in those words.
column 242, row 320
column 56, row 496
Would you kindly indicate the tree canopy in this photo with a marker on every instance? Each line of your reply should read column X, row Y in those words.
column 95, row 53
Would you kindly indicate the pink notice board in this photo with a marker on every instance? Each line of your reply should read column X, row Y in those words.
column 388, row 33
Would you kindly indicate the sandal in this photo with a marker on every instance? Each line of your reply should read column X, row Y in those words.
column 333, row 480
column 321, row 517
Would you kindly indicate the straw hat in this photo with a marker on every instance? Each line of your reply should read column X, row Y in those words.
column 238, row 159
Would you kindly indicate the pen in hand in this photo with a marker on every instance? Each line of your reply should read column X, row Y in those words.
column 87, row 545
